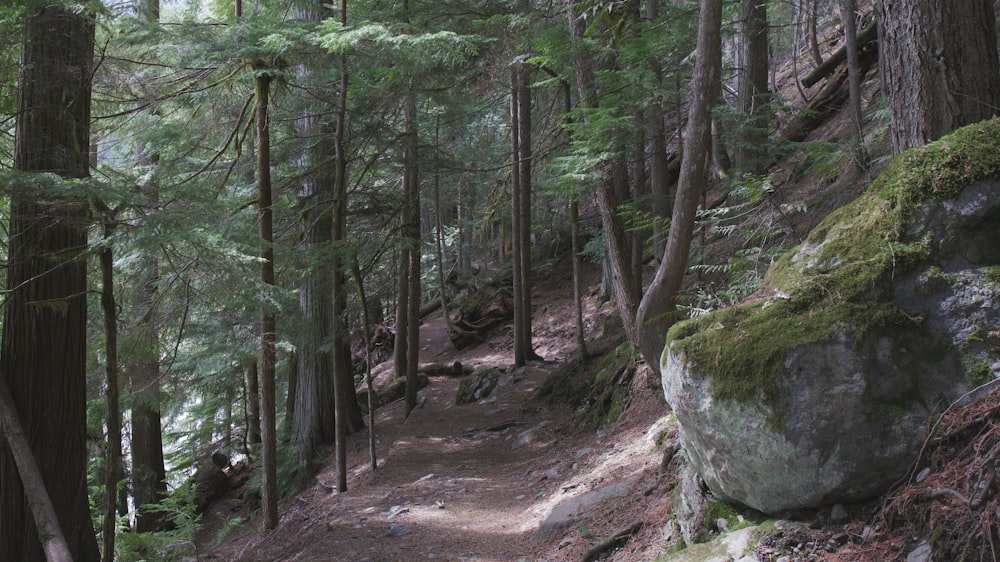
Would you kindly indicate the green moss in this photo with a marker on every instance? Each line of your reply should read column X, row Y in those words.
column 744, row 347
column 887, row 411
column 724, row 510
column 841, row 275
column 980, row 373
column 993, row 274
column 609, row 393
column 856, row 249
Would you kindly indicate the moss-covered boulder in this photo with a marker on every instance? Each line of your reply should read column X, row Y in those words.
column 477, row 386
column 818, row 393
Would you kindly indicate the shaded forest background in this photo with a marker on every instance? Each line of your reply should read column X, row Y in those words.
column 271, row 195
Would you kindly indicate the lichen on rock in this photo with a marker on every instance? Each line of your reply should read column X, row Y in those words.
column 881, row 318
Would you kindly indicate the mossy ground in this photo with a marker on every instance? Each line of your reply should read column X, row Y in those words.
column 841, row 274
column 601, row 390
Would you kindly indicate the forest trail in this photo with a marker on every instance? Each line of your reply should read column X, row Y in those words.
column 472, row 482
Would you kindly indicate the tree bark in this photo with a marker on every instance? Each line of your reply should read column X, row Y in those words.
column 251, row 382
column 616, row 240
column 43, row 512
column 657, row 311
column 750, row 155
column 411, row 182
column 939, row 66
column 366, row 331
column 149, row 476
column 520, row 113
column 581, row 341
column 268, row 335
column 314, row 421
column 113, row 465
column 849, row 17
column 43, row 346
column 142, row 367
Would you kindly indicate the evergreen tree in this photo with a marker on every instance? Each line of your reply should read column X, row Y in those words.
column 47, row 281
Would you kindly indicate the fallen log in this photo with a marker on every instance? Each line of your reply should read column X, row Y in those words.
column 613, row 542
column 830, row 98
column 46, row 521
column 868, row 35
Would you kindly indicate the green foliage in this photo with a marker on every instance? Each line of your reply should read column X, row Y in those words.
column 759, row 224
column 174, row 543
column 717, row 510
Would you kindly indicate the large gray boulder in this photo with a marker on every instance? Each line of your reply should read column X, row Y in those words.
column 889, row 312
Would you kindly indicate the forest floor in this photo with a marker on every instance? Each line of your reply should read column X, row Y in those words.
column 509, row 477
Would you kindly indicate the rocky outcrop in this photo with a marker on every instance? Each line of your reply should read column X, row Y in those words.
column 888, row 313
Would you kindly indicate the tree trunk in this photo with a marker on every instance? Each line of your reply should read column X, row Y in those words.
column 848, row 15
column 114, row 456
column 939, row 66
column 149, row 476
column 251, row 382
column 812, row 25
column 658, row 307
column 268, row 335
column 343, row 375
column 618, row 263
column 37, row 496
column 411, row 182
column 616, row 240
column 366, row 331
column 520, row 113
column 750, row 155
column 46, row 282
column 581, row 342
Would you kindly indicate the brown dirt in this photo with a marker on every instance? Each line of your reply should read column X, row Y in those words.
column 454, row 482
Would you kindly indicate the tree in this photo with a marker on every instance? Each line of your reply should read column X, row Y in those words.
column 345, row 399
column 113, row 459
column 47, row 282
column 939, row 66
column 612, row 189
column 412, row 249
column 657, row 309
column 750, row 154
column 520, row 111
column 149, row 475
column 849, row 16
column 268, row 330
column 314, row 411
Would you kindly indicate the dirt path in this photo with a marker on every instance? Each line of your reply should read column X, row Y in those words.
column 474, row 482
column 451, row 483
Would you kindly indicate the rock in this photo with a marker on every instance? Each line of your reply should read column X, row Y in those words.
column 920, row 554
column 567, row 513
column 399, row 530
column 822, row 396
column 395, row 390
column 524, row 438
column 923, row 474
column 480, row 384
column 838, row 514
column 693, row 505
